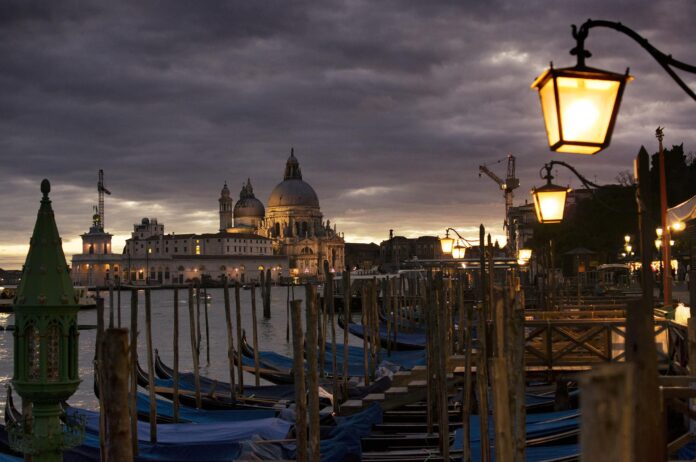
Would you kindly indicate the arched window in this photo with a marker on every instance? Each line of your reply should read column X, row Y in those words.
column 304, row 228
column 306, row 251
column 276, row 232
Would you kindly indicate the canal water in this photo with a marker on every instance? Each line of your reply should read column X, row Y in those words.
column 271, row 334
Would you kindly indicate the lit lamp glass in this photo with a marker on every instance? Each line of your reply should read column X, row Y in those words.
column 549, row 202
column 458, row 251
column 446, row 243
column 627, row 238
column 524, row 254
column 658, row 231
column 658, row 243
column 629, row 248
column 678, row 226
column 671, row 242
column 580, row 105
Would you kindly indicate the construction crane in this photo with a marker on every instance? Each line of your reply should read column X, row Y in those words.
column 508, row 185
column 101, row 190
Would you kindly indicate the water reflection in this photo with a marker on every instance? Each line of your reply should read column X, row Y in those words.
column 271, row 334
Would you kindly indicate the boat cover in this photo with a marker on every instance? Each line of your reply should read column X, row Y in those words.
column 268, row 428
column 165, row 408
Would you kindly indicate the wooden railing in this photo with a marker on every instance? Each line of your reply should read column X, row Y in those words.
column 582, row 342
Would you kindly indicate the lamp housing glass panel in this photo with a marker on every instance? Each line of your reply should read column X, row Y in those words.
column 549, row 202
column 658, row 243
column 579, row 105
column 446, row 243
column 524, row 254
column 658, row 231
column 458, row 251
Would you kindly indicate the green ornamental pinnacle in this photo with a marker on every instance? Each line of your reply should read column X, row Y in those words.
column 45, row 342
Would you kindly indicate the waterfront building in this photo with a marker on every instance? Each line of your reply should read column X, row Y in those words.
column 400, row 248
column 152, row 256
column 295, row 224
column 361, row 256
column 97, row 264
column 290, row 238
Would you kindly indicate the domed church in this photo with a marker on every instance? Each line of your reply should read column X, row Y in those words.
column 292, row 220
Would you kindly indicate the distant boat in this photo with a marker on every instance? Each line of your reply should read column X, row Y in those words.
column 86, row 298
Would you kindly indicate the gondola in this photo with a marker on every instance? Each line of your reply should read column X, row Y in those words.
column 210, row 399
column 284, row 391
column 214, row 442
column 404, row 340
column 270, row 391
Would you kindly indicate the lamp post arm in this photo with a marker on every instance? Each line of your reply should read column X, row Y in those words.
column 664, row 60
column 468, row 242
column 588, row 184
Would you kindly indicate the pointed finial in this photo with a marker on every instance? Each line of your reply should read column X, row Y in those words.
column 292, row 152
column 45, row 187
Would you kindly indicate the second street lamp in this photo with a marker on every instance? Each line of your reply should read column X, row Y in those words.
column 549, row 200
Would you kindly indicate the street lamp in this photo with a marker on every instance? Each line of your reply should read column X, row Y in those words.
column 549, row 200
column 580, row 103
column 446, row 243
column 458, row 251
column 448, row 247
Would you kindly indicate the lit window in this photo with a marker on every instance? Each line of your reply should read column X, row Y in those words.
column 198, row 249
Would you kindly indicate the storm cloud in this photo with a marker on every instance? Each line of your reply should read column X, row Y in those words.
column 391, row 106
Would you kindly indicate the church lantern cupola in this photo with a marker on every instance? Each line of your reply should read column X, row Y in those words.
column 45, row 342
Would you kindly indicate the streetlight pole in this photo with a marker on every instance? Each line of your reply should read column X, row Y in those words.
column 666, row 265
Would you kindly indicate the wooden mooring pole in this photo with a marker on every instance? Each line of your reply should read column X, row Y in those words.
column 133, row 369
column 649, row 437
column 255, row 334
column 175, row 376
column 116, row 377
column 347, row 298
column 230, row 339
column 150, row 368
column 298, row 369
column 482, row 365
column 194, row 349
column 313, row 379
column 608, row 418
column 238, row 312
column 207, row 327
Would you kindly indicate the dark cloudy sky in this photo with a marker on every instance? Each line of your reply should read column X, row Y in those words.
column 390, row 105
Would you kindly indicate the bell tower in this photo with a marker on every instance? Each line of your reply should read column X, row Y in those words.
column 226, row 208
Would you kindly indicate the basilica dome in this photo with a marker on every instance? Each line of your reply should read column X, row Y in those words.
column 248, row 205
column 293, row 191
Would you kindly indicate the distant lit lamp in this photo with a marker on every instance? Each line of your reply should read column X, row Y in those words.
column 458, row 251
column 658, row 243
column 627, row 238
column 446, row 243
column 524, row 254
column 678, row 226
column 549, row 200
column 629, row 248
column 659, row 232
column 671, row 242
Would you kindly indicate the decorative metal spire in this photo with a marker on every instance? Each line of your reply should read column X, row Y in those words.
column 45, row 278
